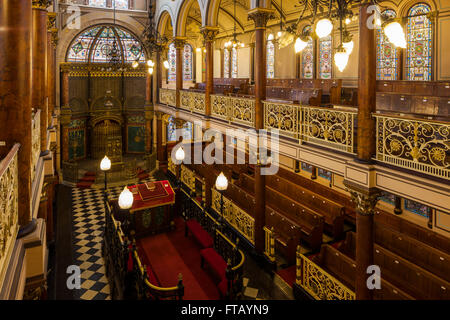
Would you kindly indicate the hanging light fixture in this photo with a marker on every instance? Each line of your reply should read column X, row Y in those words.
column 324, row 28
column 234, row 42
column 166, row 64
column 395, row 34
column 347, row 41
column 341, row 58
column 300, row 45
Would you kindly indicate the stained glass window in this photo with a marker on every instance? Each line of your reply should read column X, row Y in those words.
column 171, row 130
column 417, row 208
column 306, row 167
column 187, row 131
column 120, row 4
column 187, row 62
column 325, row 57
column 308, row 57
column 387, row 197
column 95, row 44
column 172, row 58
column 324, row 174
column 270, row 59
column 419, row 39
column 226, row 63
column 98, row 3
column 234, row 63
column 387, row 60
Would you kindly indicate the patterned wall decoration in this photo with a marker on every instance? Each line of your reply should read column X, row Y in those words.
column 226, row 63
column 308, row 57
column 77, row 139
column 172, row 58
column 325, row 57
column 420, row 46
column 387, row 60
column 136, row 134
column 187, row 62
column 270, row 60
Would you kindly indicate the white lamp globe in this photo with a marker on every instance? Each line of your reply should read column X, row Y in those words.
column 166, row 64
column 395, row 34
column 341, row 59
column 135, row 64
column 270, row 37
column 125, row 199
column 180, row 154
column 221, row 182
column 299, row 45
column 324, row 28
column 105, row 164
column 150, row 70
column 150, row 63
column 348, row 46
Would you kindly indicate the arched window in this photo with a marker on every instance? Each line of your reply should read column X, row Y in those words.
column 95, row 44
column 308, row 57
column 187, row 62
column 420, row 46
column 234, row 63
column 325, row 57
column 187, row 131
column 171, row 130
column 172, row 58
column 387, row 59
column 270, row 59
column 98, row 3
column 120, row 4
column 226, row 63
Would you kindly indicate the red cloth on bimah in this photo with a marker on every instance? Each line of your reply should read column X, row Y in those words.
column 152, row 194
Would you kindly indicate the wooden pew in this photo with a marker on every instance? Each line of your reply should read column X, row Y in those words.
column 330, row 210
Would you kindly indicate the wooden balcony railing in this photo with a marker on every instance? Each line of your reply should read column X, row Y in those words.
column 318, row 283
column 35, row 142
column 192, row 101
column 234, row 215
column 168, row 96
column 420, row 145
column 9, row 203
column 269, row 247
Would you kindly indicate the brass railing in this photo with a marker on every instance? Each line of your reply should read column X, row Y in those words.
column 9, row 202
column 168, row 96
column 318, row 283
column 284, row 117
column 419, row 145
column 234, row 215
column 233, row 109
column 35, row 142
column 328, row 127
column 187, row 176
column 171, row 166
column 192, row 101
column 269, row 248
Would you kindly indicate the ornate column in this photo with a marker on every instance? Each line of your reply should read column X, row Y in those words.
column 159, row 142
column 158, row 74
column 209, row 33
column 365, row 201
column 366, row 135
column 179, row 46
column 149, row 111
column 52, row 41
column 15, row 88
column 39, row 64
column 260, row 16
column 65, row 111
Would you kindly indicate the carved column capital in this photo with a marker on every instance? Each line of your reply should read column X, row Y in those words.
column 41, row 4
column 260, row 16
column 159, row 115
column 179, row 123
column 51, row 21
column 365, row 202
column 179, row 42
column 209, row 33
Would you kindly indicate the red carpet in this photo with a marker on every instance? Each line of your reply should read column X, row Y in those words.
column 172, row 253
column 288, row 275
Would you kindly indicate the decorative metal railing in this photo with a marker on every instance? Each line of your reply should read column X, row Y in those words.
column 234, row 215
column 171, row 166
column 192, row 101
column 318, row 283
column 269, row 247
column 328, row 127
column 419, row 145
column 9, row 203
column 35, row 142
column 284, row 117
column 188, row 177
column 168, row 96
column 233, row 109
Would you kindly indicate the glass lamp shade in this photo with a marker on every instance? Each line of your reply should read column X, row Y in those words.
column 324, row 28
column 150, row 63
column 180, row 154
column 299, row 45
column 394, row 32
column 105, row 164
column 348, row 46
column 150, row 70
column 221, row 182
column 270, row 37
column 126, row 199
column 341, row 59
column 135, row 64
column 166, row 64
column 279, row 34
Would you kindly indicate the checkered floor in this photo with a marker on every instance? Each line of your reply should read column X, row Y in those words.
column 88, row 222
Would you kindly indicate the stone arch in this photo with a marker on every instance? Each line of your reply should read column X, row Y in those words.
column 165, row 15
column 182, row 16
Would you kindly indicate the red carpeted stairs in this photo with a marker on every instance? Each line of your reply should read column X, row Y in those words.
column 87, row 181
